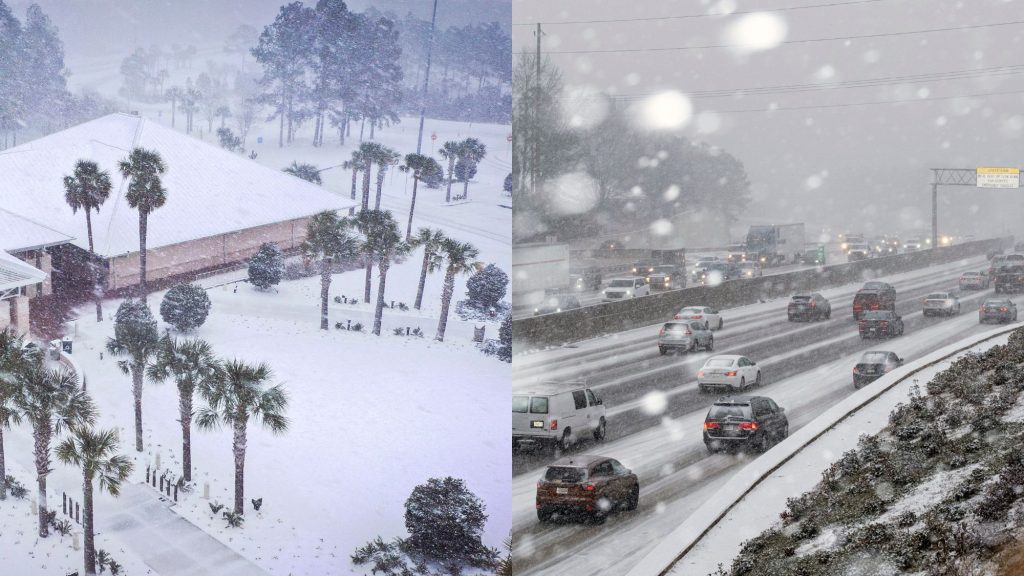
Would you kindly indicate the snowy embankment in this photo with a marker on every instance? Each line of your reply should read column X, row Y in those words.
column 752, row 500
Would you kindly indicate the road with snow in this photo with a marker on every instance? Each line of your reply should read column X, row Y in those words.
column 806, row 368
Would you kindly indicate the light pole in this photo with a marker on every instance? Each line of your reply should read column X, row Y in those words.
column 426, row 79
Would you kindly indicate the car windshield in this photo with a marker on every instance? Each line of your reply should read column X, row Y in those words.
column 690, row 311
column 664, row 269
column 675, row 327
column 877, row 315
column 995, row 303
column 520, row 404
column 875, row 286
column 801, row 298
column 874, row 358
column 937, row 296
column 621, row 283
column 565, row 474
column 726, row 411
column 719, row 363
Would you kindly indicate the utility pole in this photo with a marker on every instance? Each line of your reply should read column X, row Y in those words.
column 536, row 122
column 935, row 212
column 426, row 78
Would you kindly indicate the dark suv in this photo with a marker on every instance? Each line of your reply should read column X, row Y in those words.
column 1009, row 278
column 874, row 364
column 874, row 296
column 754, row 422
column 583, row 485
column 808, row 307
column 880, row 324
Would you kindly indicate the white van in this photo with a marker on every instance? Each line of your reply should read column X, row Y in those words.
column 556, row 415
column 622, row 288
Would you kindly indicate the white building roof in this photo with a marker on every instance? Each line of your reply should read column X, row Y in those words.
column 14, row 273
column 210, row 191
column 18, row 233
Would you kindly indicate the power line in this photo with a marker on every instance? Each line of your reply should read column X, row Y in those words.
column 705, row 15
column 805, row 41
column 855, row 104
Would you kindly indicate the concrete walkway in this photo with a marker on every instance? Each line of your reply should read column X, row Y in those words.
column 166, row 542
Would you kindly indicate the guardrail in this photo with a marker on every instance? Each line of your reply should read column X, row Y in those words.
column 590, row 321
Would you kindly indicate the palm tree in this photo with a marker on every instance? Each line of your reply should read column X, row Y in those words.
column 307, row 172
column 383, row 244
column 432, row 261
column 385, row 157
column 88, row 189
column 94, row 452
column 189, row 363
column 49, row 400
column 328, row 238
column 450, row 151
column 471, row 152
column 239, row 394
column 136, row 339
column 460, row 259
column 420, row 166
column 368, row 153
column 11, row 360
column 356, row 165
column 174, row 94
column 145, row 194
column 368, row 222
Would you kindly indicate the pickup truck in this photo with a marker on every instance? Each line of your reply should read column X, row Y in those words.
column 1009, row 279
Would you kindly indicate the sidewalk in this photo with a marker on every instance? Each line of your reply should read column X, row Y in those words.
column 166, row 542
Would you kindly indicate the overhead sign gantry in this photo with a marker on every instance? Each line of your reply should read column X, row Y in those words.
column 981, row 177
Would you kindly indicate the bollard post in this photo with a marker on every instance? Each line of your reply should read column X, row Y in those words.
column 74, row 541
column 147, row 474
column 392, row 304
column 206, row 490
column 349, row 327
column 157, row 467
column 77, row 513
column 168, row 488
column 175, row 492
column 64, row 502
column 406, row 330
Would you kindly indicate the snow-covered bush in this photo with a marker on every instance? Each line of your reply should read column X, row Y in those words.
column 487, row 287
column 185, row 307
column 445, row 521
column 133, row 322
column 228, row 140
column 505, row 337
column 434, row 180
column 266, row 267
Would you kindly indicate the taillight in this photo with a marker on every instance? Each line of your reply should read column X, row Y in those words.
column 748, row 426
column 677, row 317
column 710, row 425
column 813, row 303
column 662, row 333
column 697, row 316
column 589, row 487
column 700, row 374
column 1003, row 309
column 730, row 373
column 554, row 425
column 855, row 371
column 687, row 333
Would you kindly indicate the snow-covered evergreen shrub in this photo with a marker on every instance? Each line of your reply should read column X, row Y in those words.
column 233, row 519
column 507, row 187
column 487, row 287
column 1001, row 494
column 266, row 267
column 358, row 327
column 15, row 488
column 906, row 519
column 505, row 338
column 445, row 521
column 133, row 322
column 185, row 307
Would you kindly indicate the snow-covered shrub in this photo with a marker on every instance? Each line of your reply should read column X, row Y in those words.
column 233, row 519
column 15, row 488
column 434, row 181
column 215, row 507
column 487, row 287
column 505, row 338
column 906, row 519
column 339, row 326
column 1007, row 489
column 507, row 186
column 445, row 521
column 399, row 331
column 337, row 299
column 358, row 327
column 266, row 267
column 185, row 307
column 417, row 332
column 228, row 140
column 62, row 526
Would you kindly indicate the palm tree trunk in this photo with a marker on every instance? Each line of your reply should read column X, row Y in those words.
column 280, row 132
column 142, row 256
column 412, row 208
column 3, row 468
column 355, row 175
column 451, row 171
column 369, row 276
column 423, row 277
column 446, row 300
column 174, row 109
column 325, row 287
column 41, row 436
column 465, row 187
column 378, row 312
column 97, row 289
column 185, row 405
column 381, row 171
column 88, row 227
column 137, row 393
column 366, row 184
column 87, row 527
column 238, row 446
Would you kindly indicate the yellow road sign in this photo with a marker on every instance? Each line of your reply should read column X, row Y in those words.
column 998, row 177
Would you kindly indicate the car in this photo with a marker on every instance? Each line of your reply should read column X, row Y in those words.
column 750, row 269
column 611, row 245
column 974, row 280
column 686, row 335
column 665, row 277
column 912, row 245
column 1009, row 278
column 586, row 485
column 998, row 309
column 728, row 371
column 737, row 253
column 556, row 415
column 556, row 303
column 715, row 273
column 698, row 270
column 711, row 316
column 585, row 279
column 857, row 252
column 1003, row 260
column 623, row 288
column 874, row 364
column 941, row 304
column 885, row 246
column 849, row 240
column 643, row 268
column 808, row 307
column 873, row 296
column 755, row 422
column 880, row 324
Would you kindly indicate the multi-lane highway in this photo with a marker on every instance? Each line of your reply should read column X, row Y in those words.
column 655, row 411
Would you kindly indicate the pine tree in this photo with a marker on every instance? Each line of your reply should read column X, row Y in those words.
column 445, row 521
column 507, row 187
column 283, row 50
column 487, row 287
column 266, row 267
column 505, row 339
column 185, row 307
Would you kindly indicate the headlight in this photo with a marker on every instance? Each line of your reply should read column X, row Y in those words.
column 536, row 309
column 628, row 292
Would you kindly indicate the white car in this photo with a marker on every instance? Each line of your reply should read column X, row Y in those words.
column 941, row 304
column 623, row 288
column 728, row 371
column 712, row 317
column 557, row 416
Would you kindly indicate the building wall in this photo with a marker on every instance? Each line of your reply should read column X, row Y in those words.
column 203, row 253
column 41, row 260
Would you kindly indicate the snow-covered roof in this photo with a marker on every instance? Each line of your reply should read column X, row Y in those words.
column 18, row 233
column 210, row 191
column 14, row 273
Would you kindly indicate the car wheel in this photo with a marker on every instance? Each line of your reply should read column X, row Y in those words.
column 711, row 344
column 566, row 443
column 743, row 384
column 543, row 515
column 762, row 445
column 661, row 350
column 785, row 432
column 703, row 389
column 757, row 382
column 600, row 431
column 711, row 449
column 693, row 346
column 828, row 314
column 598, row 518
column 634, row 498
column 719, row 323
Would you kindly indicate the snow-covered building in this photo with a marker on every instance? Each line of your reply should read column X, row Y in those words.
column 220, row 205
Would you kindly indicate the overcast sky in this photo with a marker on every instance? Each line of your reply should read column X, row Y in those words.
column 842, row 166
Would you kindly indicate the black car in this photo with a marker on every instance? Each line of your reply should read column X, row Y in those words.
column 880, row 324
column 874, row 364
column 557, row 303
column 643, row 268
column 1009, row 278
column 754, row 422
column 998, row 309
column 873, row 296
column 808, row 307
